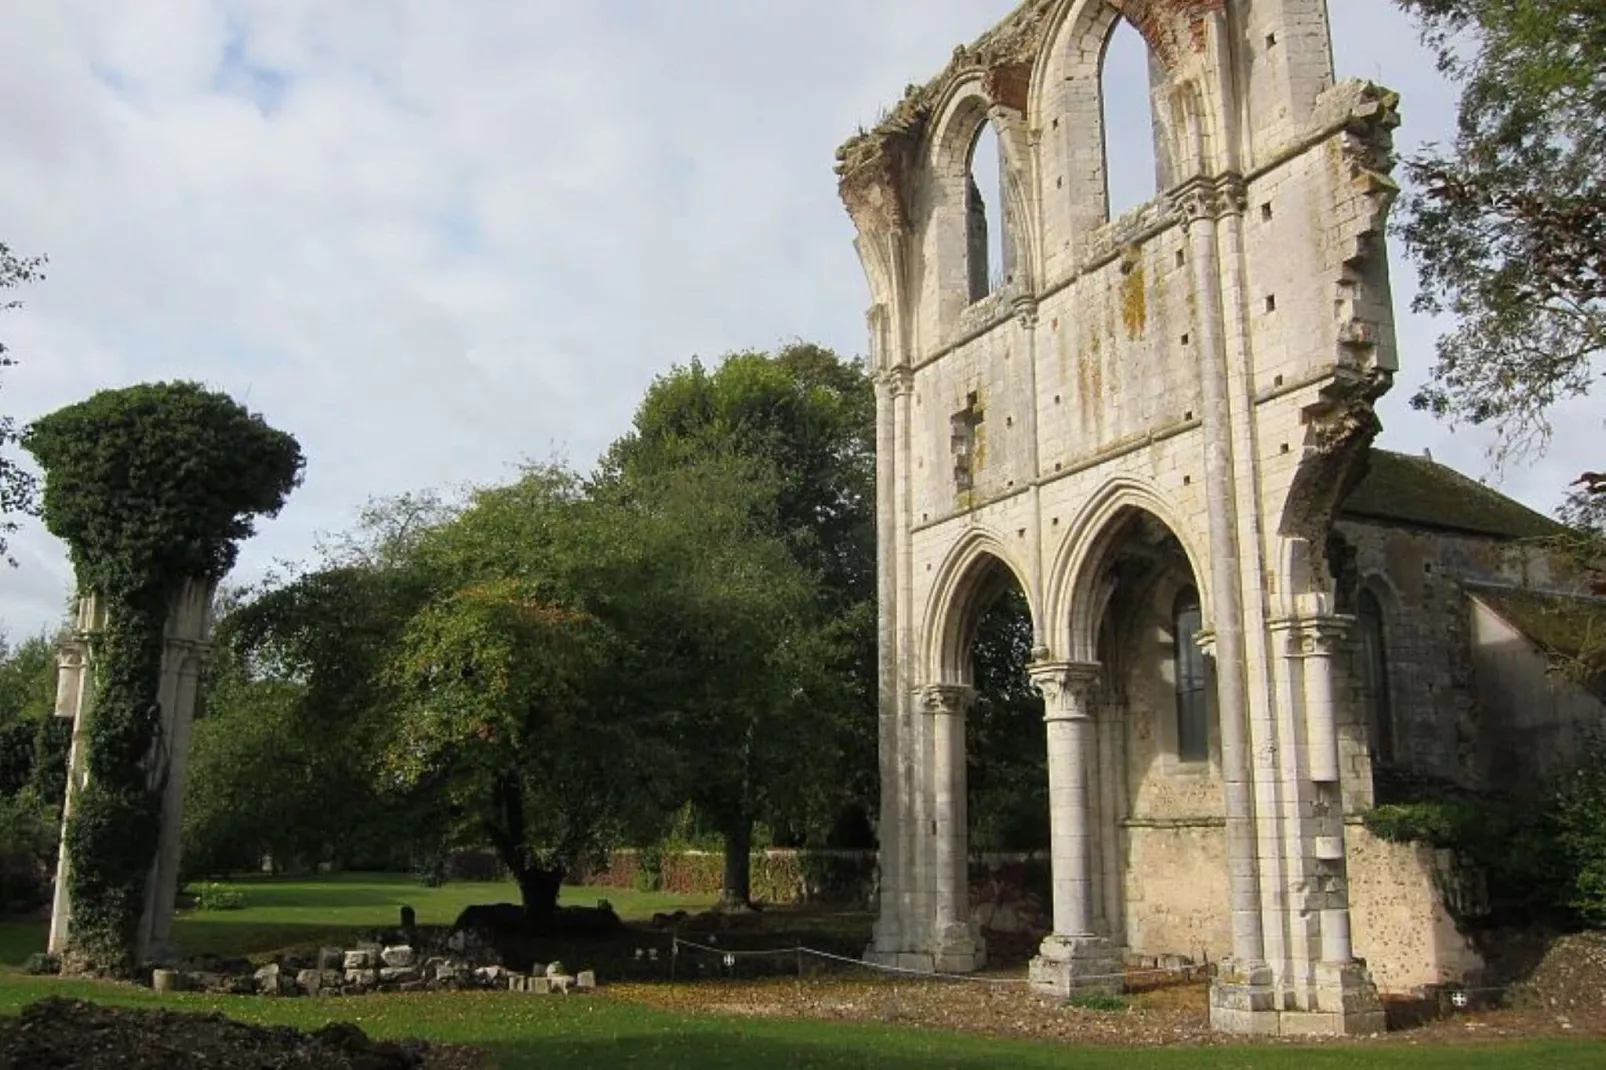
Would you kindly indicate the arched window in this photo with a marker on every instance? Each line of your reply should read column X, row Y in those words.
column 987, row 243
column 1193, row 711
column 1374, row 675
column 1131, row 174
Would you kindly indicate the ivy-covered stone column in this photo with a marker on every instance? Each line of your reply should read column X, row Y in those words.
column 151, row 488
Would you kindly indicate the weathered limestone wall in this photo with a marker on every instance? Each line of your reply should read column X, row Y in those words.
column 1398, row 906
column 1445, row 717
column 1176, row 889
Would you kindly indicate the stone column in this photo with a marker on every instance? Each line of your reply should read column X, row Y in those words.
column 75, row 698
column 955, row 946
column 1345, row 998
column 1073, row 957
column 1241, row 999
column 887, row 939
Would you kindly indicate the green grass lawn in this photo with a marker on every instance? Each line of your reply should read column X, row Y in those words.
column 285, row 912
column 594, row 1030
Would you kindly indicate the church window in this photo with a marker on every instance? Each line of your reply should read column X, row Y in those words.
column 1193, row 715
column 1374, row 678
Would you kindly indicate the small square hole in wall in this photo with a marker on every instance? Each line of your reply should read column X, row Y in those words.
column 1184, row 339
column 1188, row 415
column 1428, row 568
column 1284, row 447
column 1187, row 481
column 1271, row 40
column 1054, row 324
column 1271, row 302
column 1055, row 522
column 924, row 517
column 1182, row 258
column 1011, row 483
column 1059, row 181
column 1020, row 533
column 928, row 567
column 1056, row 399
column 1056, row 123
column 1278, row 381
column 1057, row 466
column 1265, row 210
column 1009, row 421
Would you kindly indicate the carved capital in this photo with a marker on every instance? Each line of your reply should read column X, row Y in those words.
column 946, row 700
column 1203, row 198
column 1312, row 637
column 1025, row 309
column 897, row 382
column 1205, row 640
column 1067, row 688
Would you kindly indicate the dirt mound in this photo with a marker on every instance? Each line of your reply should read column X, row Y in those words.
column 66, row 1034
column 1571, row 976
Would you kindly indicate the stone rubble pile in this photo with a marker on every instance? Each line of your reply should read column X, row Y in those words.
column 371, row 966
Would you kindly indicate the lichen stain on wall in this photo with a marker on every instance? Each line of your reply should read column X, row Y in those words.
column 1134, row 301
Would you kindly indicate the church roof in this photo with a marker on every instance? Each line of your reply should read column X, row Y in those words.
column 1563, row 625
column 1403, row 489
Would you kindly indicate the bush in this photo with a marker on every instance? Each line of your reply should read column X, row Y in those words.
column 40, row 964
column 1578, row 814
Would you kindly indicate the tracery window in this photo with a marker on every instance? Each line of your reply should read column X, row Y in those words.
column 1193, row 709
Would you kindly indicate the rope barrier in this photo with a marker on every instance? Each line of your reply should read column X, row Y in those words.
column 800, row 950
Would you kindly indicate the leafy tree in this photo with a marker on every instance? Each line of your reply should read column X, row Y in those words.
column 33, row 766
column 1508, row 224
column 758, row 672
column 805, row 418
column 516, row 704
column 150, row 487
column 1007, row 755
column 16, row 483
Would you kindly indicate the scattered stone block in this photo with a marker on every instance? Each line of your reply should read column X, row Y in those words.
column 167, row 981
column 398, row 957
column 363, row 978
column 360, row 959
column 585, row 979
column 267, row 979
column 331, row 958
column 399, row 974
column 558, row 983
column 310, row 981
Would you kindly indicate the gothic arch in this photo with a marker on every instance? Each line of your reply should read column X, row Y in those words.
column 1076, row 600
column 968, row 104
column 959, row 596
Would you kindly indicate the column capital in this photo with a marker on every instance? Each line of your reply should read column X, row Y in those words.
column 898, row 381
column 1313, row 637
column 946, row 700
column 1066, row 687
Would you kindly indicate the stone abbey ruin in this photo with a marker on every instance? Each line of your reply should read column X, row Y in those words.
column 1159, row 427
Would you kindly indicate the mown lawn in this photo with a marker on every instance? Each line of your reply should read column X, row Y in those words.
column 284, row 912
column 596, row 1030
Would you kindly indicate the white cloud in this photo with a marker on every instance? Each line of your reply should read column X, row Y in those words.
column 432, row 239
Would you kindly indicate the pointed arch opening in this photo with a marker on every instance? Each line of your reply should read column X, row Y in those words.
column 989, row 246
column 1131, row 162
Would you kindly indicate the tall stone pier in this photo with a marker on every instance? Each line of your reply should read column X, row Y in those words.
column 184, row 653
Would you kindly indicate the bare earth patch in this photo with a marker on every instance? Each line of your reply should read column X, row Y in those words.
column 69, row 1034
column 1175, row 1015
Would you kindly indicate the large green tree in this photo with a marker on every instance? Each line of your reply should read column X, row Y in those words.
column 805, row 418
column 1507, row 224
column 16, row 483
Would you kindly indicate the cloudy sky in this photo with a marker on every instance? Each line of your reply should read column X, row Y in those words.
column 432, row 239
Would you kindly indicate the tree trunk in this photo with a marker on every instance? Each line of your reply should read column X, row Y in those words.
column 736, row 892
column 538, row 891
column 538, row 887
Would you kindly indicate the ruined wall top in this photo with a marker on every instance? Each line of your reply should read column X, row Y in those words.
column 873, row 165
